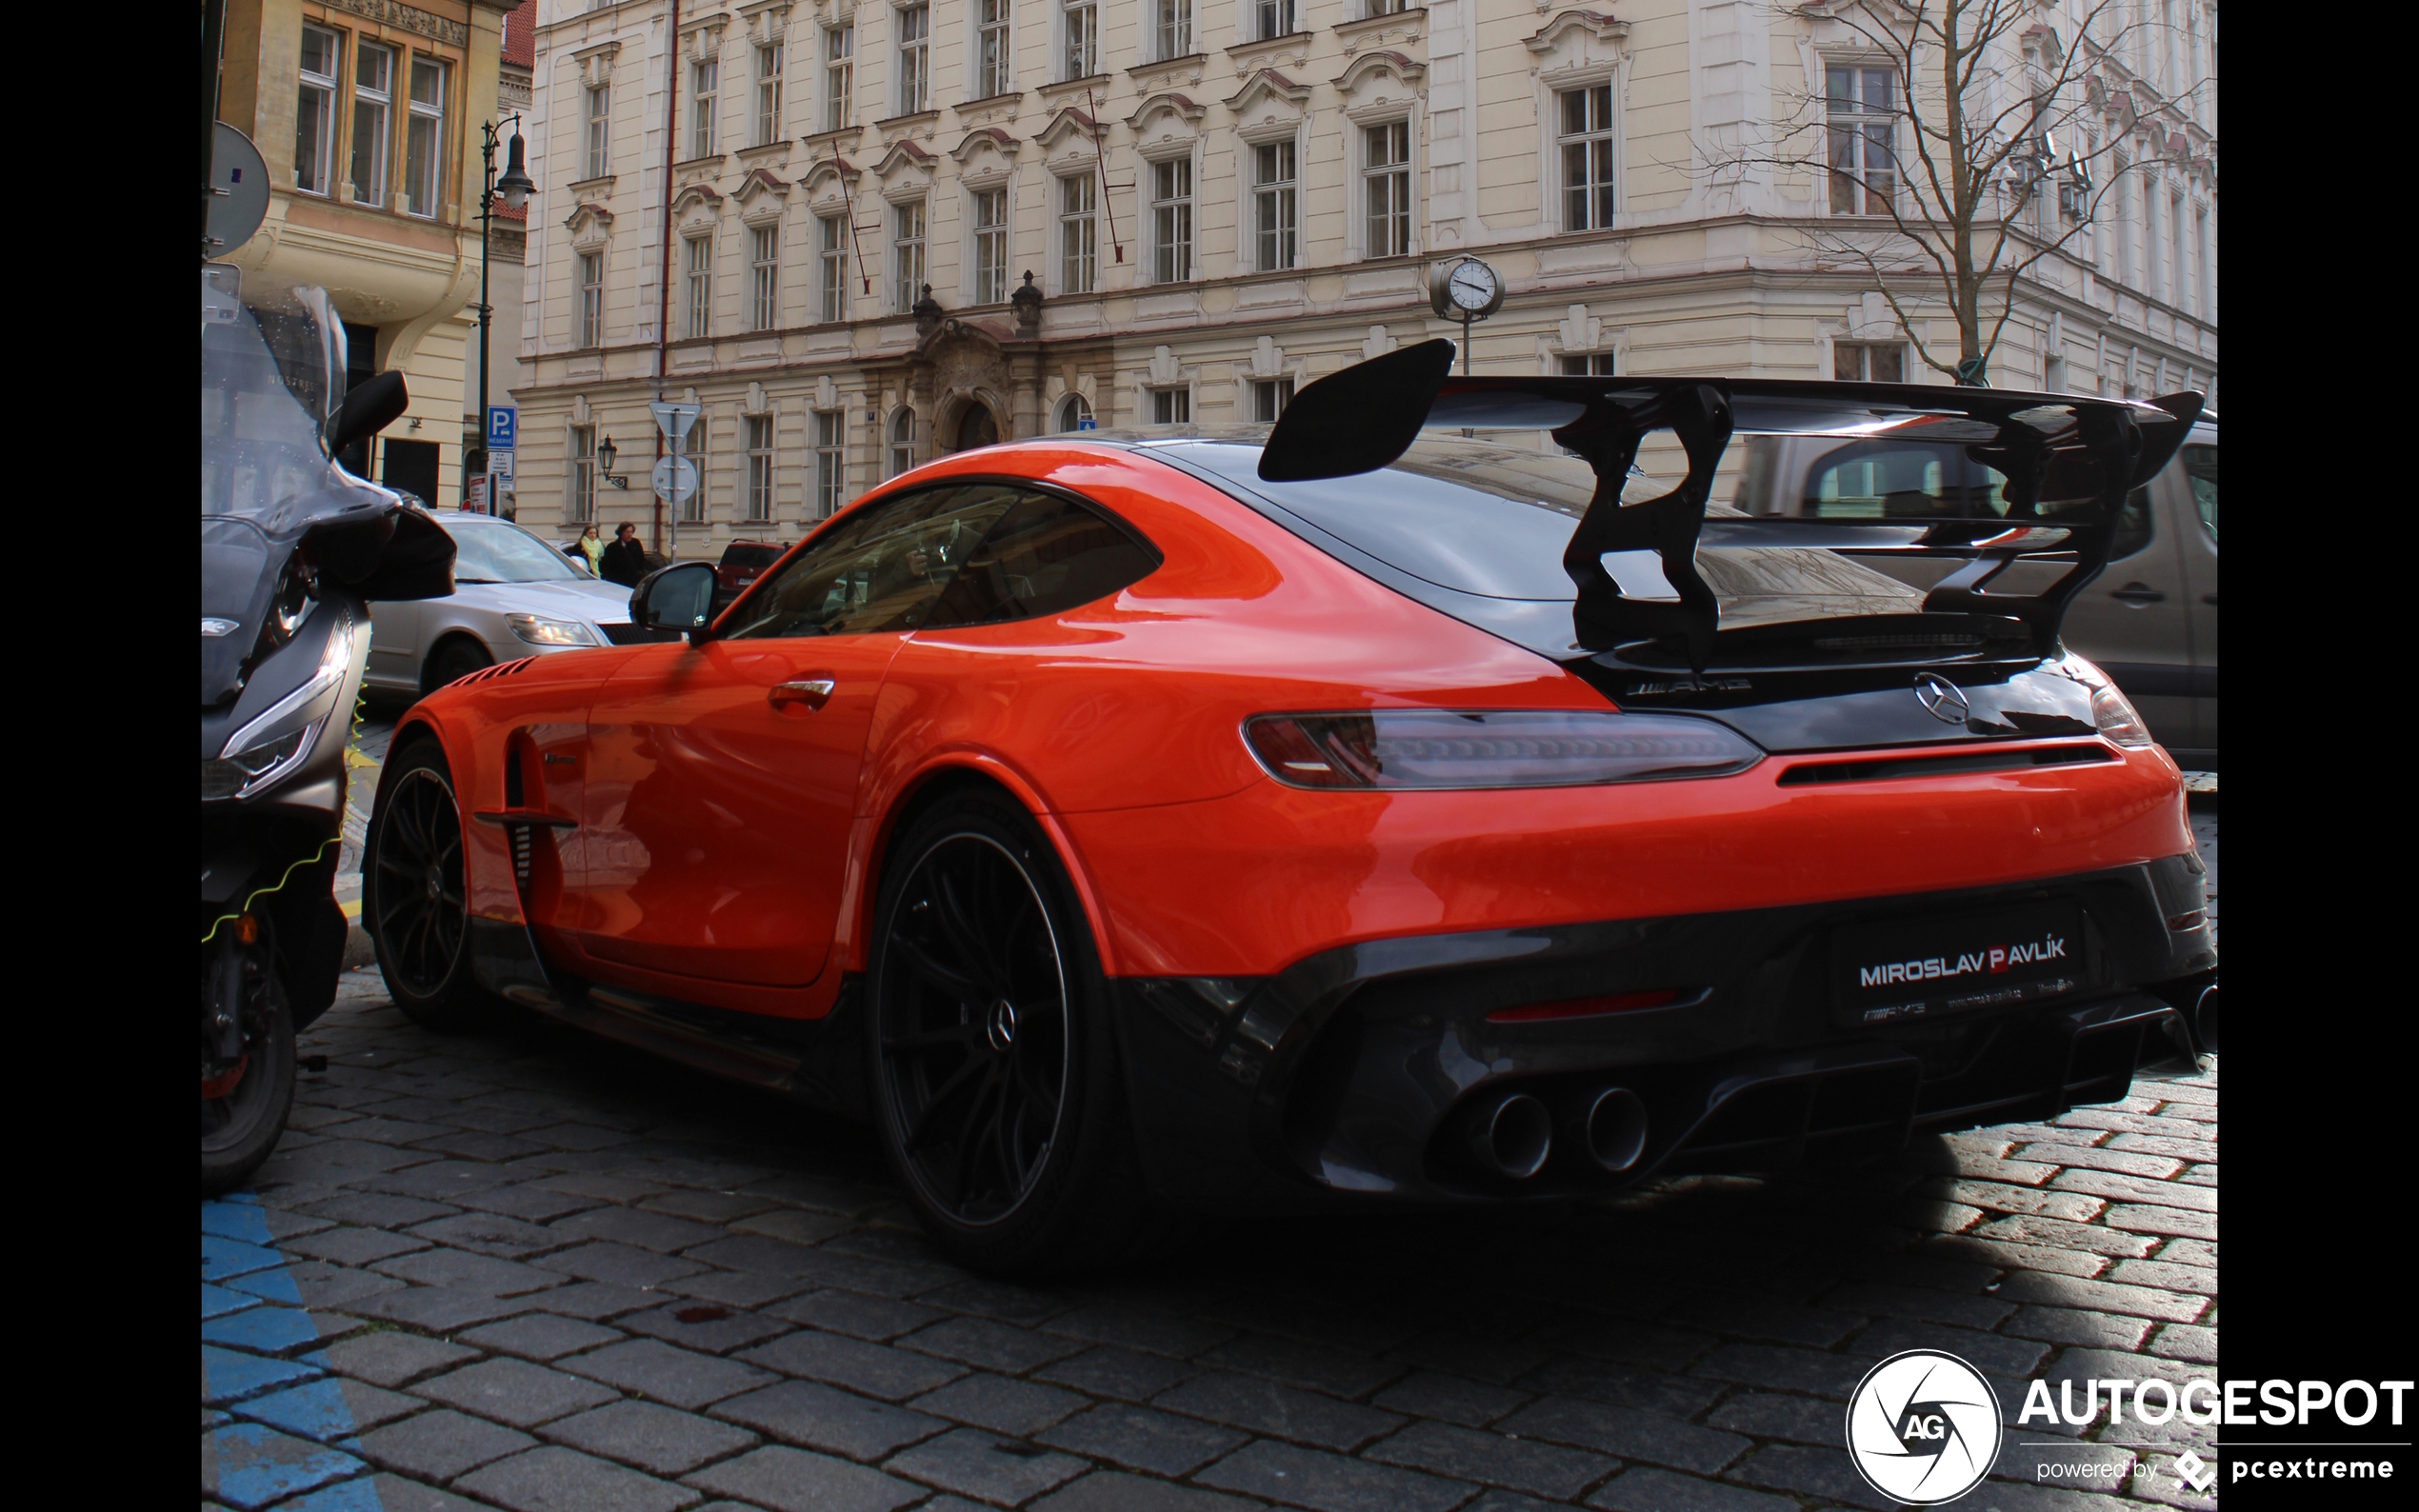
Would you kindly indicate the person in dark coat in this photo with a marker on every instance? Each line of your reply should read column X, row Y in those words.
column 625, row 560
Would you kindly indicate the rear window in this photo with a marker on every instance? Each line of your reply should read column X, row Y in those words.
column 751, row 556
column 1046, row 556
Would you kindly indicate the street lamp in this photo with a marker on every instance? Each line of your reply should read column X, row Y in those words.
column 605, row 455
column 513, row 189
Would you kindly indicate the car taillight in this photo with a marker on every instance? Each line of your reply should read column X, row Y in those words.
column 1437, row 747
column 2111, row 711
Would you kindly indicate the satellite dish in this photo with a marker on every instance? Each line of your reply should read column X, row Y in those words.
column 238, row 192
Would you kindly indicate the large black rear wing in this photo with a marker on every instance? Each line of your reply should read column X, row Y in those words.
column 2069, row 462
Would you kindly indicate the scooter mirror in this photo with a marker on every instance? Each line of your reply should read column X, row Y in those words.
column 367, row 409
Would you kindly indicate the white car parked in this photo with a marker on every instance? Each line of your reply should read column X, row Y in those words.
column 513, row 596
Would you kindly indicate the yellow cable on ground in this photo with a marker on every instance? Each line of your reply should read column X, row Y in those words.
column 246, row 906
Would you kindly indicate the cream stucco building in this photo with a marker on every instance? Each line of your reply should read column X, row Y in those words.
column 366, row 113
column 1220, row 200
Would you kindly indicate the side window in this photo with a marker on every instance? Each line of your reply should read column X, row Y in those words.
column 2133, row 526
column 1900, row 481
column 2200, row 470
column 1045, row 556
column 880, row 569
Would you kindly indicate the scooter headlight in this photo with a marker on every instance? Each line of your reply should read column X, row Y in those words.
column 268, row 750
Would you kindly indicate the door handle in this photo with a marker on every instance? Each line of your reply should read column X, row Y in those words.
column 812, row 691
column 2137, row 593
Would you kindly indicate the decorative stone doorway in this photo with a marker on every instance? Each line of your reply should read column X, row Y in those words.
column 978, row 428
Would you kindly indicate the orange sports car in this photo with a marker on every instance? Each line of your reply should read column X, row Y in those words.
column 1440, row 798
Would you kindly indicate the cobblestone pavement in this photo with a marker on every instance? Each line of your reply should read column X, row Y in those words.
column 531, row 1269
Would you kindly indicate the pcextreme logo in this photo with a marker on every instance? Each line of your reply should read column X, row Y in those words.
column 1995, row 959
column 1923, row 1427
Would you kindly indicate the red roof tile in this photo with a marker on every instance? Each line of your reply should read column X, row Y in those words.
column 520, row 35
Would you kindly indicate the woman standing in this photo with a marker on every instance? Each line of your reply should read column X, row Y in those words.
column 591, row 546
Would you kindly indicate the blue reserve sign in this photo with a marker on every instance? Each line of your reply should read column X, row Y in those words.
column 501, row 426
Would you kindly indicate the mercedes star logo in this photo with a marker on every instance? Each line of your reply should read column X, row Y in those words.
column 1941, row 696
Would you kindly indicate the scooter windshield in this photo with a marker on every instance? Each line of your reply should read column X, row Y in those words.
column 271, row 375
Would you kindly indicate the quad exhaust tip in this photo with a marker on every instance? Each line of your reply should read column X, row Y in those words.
column 2205, row 1019
column 1512, row 1136
column 1612, row 1126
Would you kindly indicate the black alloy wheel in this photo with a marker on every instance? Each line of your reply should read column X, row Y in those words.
column 414, row 904
column 457, row 659
column 993, row 1069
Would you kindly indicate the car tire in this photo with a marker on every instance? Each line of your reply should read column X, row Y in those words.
column 413, row 901
column 454, row 661
column 993, row 1062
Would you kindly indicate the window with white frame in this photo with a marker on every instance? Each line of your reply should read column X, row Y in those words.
column 705, row 79
column 759, row 469
column 1171, row 219
column 830, row 462
column 1078, row 243
column 990, row 245
column 1272, row 18
column 2179, row 277
column 2122, row 243
column 1872, row 362
column 692, row 511
column 1079, row 22
column 1171, row 407
column 831, row 267
column 907, row 255
column 424, row 140
column 1385, row 184
column 1588, row 364
column 901, row 441
column 1268, row 398
column 2153, row 267
column 1862, row 105
column 1585, row 144
column 767, row 93
column 1384, row 8
column 1276, row 205
column 700, row 290
column 994, row 59
column 1172, row 36
column 2204, row 280
column 914, row 25
column 765, row 305
column 581, row 505
column 373, row 93
column 600, row 130
column 316, row 110
column 1072, row 412
column 839, row 74
column 591, row 269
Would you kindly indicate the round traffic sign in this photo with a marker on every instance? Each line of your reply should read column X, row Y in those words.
column 675, row 479
column 239, row 191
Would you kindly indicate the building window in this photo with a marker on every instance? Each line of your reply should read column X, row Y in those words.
column 701, row 286
column 1077, row 233
column 373, row 85
column 1171, row 219
column 1268, row 398
column 592, row 299
column 1074, row 413
column 1171, row 407
column 315, row 111
column 915, row 56
column 766, row 311
column 424, row 140
column 902, row 442
column 693, row 511
column 832, row 257
column 1587, row 157
column 1588, row 364
column 1385, row 8
column 767, row 93
column 991, row 245
column 1081, row 19
column 1174, row 31
column 759, row 469
column 703, row 79
column 1272, row 18
column 830, row 459
column 581, row 505
column 1274, row 208
column 907, row 255
column 600, row 129
column 2203, row 283
column 1874, row 362
column 2179, row 282
column 992, row 59
column 1863, row 131
column 839, row 75
column 1386, row 175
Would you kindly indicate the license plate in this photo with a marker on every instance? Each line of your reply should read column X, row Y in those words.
column 1903, row 969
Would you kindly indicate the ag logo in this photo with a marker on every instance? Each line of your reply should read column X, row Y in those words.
column 1923, row 1427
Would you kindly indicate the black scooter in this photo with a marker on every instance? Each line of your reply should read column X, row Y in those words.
column 293, row 550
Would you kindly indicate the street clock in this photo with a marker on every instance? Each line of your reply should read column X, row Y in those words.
column 1466, row 290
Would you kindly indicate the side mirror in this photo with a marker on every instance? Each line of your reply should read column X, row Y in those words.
column 367, row 409
column 675, row 598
